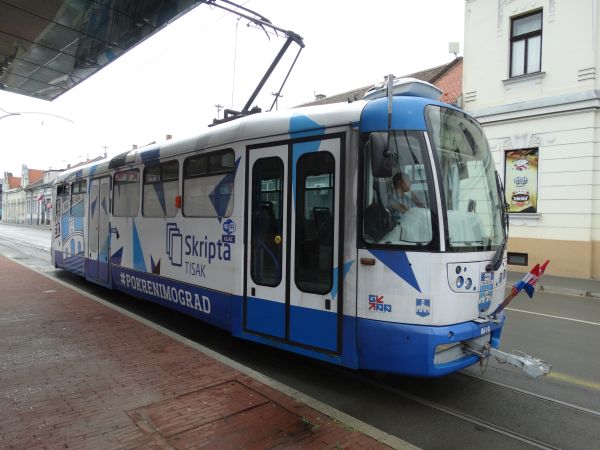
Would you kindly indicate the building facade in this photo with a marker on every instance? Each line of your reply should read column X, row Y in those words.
column 531, row 79
column 38, row 199
column 27, row 199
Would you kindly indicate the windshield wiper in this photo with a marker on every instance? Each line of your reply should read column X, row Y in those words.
column 497, row 259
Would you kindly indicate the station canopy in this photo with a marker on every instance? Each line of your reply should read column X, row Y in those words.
column 47, row 47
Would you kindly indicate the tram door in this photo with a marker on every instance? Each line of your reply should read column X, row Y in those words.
column 268, row 184
column 293, row 223
column 98, row 230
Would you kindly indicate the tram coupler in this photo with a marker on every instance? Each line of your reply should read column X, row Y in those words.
column 533, row 367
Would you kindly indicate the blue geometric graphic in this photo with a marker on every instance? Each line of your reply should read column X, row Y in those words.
column 301, row 126
column 398, row 262
column 138, row 253
column 160, row 194
column 93, row 207
column 150, row 156
column 222, row 193
column 346, row 269
column 117, row 257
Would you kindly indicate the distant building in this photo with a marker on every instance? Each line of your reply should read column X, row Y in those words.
column 38, row 198
column 447, row 77
column 532, row 79
column 14, row 195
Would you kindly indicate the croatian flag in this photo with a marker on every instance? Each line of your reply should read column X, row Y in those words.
column 527, row 283
column 529, row 280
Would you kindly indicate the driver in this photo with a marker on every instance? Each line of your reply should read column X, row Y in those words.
column 402, row 199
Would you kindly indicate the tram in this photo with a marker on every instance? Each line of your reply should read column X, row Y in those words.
column 368, row 234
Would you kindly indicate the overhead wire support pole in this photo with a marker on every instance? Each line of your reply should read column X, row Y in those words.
column 285, row 79
column 266, row 76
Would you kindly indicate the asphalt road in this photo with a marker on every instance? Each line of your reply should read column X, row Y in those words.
column 499, row 408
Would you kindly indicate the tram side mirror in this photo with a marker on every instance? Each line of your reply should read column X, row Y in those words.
column 381, row 157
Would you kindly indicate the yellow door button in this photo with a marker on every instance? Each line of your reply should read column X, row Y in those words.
column 278, row 239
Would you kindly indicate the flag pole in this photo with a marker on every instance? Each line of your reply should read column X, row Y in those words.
column 527, row 282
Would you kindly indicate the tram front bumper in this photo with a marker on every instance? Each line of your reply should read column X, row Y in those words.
column 424, row 351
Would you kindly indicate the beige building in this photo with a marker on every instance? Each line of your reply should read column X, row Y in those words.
column 14, row 194
column 531, row 77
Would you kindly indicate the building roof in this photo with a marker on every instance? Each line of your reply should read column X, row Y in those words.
column 430, row 75
column 13, row 182
column 35, row 175
column 87, row 161
column 35, row 185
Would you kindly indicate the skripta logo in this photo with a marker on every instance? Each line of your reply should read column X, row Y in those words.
column 174, row 244
column 229, row 229
column 196, row 252
column 376, row 304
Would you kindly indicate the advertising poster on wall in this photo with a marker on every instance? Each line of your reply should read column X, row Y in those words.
column 521, row 180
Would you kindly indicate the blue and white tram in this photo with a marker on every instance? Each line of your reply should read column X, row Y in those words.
column 285, row 229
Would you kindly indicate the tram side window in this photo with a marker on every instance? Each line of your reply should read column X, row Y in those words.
column 315, row 194
column 267, row 221
column 161, row 187
column 208, row 184
column 62, row 200
column 78, row 190
column 126, row 193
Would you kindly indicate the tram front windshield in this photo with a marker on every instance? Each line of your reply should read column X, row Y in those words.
column 399, row 195
column 468, row 176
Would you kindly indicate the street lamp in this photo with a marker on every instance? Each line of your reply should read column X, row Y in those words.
column 8, row 114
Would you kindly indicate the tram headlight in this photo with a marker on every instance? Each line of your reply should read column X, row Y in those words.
column 460, row 281
column 468, row 283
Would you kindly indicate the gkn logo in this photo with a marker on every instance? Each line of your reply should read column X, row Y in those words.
column 376, row 304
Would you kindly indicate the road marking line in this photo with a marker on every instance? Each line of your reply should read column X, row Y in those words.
column 574, row 380
column 554, row 317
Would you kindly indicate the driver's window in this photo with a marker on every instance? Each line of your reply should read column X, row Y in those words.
column 397, row 205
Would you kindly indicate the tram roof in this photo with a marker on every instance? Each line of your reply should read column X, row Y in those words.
column 291, row 123
column 370, row 115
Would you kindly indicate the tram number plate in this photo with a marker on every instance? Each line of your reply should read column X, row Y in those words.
column 485, row 329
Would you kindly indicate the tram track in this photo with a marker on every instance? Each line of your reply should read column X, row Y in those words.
column 533, row 394
column 478, row 422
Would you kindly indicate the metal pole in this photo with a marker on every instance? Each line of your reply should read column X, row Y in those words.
column 287, row 43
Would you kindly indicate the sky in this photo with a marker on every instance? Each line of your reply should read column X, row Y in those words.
column 171, row 82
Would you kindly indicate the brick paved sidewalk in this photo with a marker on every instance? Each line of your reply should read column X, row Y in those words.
column 77, row 374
